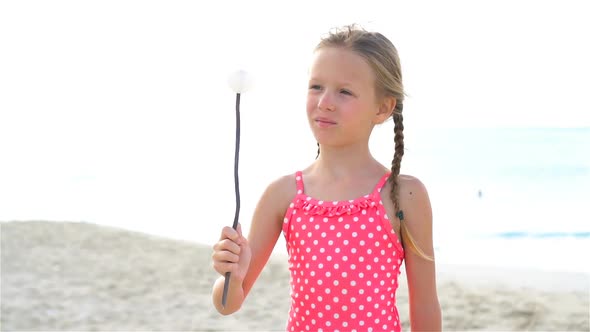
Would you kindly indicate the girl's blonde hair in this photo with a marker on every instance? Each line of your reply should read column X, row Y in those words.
column 382, row 56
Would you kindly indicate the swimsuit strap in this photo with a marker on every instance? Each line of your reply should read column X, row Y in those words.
column 381, row 183
column 299, row 181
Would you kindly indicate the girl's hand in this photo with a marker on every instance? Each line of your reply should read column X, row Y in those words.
column 232, row 253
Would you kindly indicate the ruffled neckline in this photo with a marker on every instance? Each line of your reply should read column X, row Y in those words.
column 312, row 206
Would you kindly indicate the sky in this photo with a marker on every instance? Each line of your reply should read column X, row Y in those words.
column 119, row 112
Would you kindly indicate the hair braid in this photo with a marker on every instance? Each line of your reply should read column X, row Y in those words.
column 405, row 235
column 397, row 156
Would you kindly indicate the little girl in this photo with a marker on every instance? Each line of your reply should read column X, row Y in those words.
column 348, row 221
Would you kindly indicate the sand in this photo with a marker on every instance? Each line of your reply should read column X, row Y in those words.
column 83, row 277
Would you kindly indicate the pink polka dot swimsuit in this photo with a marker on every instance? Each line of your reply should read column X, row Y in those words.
column 344, row 261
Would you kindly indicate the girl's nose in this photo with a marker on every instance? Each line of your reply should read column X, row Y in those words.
column 326, row 102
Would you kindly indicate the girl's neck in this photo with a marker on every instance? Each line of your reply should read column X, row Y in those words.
column 346, row 161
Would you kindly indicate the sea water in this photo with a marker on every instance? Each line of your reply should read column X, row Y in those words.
column 516, row 197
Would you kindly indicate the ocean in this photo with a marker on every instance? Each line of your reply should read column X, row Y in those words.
column 507, row 197
column 510, row 196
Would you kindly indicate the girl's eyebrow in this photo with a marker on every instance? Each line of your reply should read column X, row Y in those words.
column 341, row 84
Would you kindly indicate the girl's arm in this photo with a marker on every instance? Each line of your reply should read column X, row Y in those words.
column 264, row 232
column 425, row 312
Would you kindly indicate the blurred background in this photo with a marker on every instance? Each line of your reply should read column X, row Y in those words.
column 119, row 113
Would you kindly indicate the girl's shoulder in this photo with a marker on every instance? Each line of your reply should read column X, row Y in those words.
column 413, row 194
column 279, row 193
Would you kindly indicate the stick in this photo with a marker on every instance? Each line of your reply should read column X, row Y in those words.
column 237, row 190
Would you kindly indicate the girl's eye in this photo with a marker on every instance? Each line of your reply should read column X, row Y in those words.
column 314, row 87
column 346, row 92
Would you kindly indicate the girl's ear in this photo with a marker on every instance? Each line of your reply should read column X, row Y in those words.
column 385, row 109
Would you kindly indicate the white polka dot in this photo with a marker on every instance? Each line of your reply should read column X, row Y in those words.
column 340, row 219
column 338, row 234
column 353, row 315
column 330, row 242
column 347, row 226
column 362, row 242
column 317, row 227
column 315, row 242
column 336, row 266
column 323, row 234
column 361, row 275
column 364, row 211
column 320, row 265
column 322, row 250
column 321, row 202
column 371, row 235
column 354, row 234
column 361, row 259
column 363, row 226
column 337, row 250
column 355, row 219
column 376, row 259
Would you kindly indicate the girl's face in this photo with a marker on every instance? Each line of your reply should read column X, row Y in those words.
column 342, row 107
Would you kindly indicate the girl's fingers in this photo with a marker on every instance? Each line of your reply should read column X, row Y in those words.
column 223, row 268
column 229, row 233
column 225, row 257
column 227, row 245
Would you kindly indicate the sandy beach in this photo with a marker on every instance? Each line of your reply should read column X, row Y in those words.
column 83, row 277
